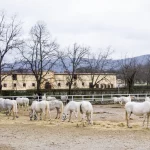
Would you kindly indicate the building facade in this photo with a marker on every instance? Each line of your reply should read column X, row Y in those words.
column 27, row 81
column 84, row 80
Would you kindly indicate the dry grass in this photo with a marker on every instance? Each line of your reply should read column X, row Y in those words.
column 109, row 132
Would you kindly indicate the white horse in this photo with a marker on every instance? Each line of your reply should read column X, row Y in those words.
column 41, row 107
column 48, row 98
column 117, row 99
column 86, row 109
column 126, row 99
column 138, row 109
column 10, row 106
column 64, row 98
column 22, row 101
column 71, row 107
column 44, row 97
column 147, row 99
column 58, row 105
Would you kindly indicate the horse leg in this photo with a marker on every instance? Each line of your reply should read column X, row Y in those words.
column 25, row 107
column 41, row 115
column 147, row 120
column 120, row 102
column 13, row 115
column 70, row 116
column 57, row 114
column 128, row 118
column 145, row 115
column 83, row 120
column 91, row 118
column 49, row 113
column 88, row 118
column 33, row 115
column 44, row 115
column 9, row 112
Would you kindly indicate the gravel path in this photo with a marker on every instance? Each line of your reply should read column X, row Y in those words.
column 109, row 132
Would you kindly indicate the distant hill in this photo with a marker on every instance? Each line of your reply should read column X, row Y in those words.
column 140, row 59
column 59, row 68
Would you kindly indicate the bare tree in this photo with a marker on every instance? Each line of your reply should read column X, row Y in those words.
column 39, row 53
column 129, row 68
column 10, row 31
column 97, row 65
column 144, row 73
column 71, row 61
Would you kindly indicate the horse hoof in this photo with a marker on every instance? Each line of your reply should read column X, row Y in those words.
column 77, row 125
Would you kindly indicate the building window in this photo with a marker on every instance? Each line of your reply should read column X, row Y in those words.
column 103, row 86
column 97, row 85
column 4, row 85
column 24, row 84
column 111, row 86
column 15, row 85
column 75, row 76
column 90, row 85
column 82, row 83
column 47, row 85
column 67, row 84
column 33, row 84
column 59, row 84
column 14, row 77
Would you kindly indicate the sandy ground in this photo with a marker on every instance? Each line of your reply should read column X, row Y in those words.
column 109, row 132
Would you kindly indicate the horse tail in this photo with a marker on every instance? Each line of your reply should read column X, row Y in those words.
column 81, row 111
column 62, row 107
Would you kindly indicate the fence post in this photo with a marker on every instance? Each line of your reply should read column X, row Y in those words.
column 83, row 97
column 102, row 97
column 92, row 97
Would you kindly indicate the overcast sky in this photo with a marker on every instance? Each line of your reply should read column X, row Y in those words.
column 122, row 24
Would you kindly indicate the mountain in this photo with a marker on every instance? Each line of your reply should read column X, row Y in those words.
column 58, row 67
column 140, row 59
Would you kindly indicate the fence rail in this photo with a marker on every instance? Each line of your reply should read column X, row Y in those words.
column 101, row 97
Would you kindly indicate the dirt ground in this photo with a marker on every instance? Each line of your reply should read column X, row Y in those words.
column 109, row 132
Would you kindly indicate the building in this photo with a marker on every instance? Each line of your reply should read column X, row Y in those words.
column 83, row 80
column 27, row 81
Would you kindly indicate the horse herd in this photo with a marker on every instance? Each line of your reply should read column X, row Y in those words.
column 83, row 108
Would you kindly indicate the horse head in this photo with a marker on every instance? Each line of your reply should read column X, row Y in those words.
column 64, row 116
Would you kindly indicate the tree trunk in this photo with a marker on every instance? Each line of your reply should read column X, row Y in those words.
column 69, row 90
column 38, row 87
